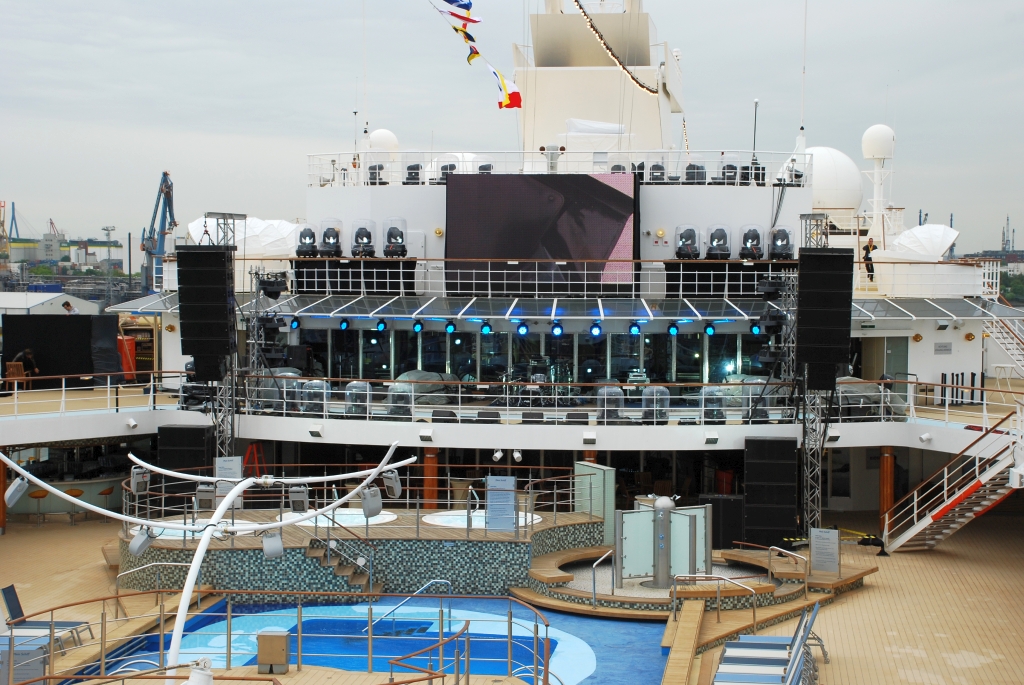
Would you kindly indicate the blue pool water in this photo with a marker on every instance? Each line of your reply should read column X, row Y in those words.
column 583, row 650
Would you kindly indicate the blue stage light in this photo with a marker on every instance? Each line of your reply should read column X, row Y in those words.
column 485, row 328
column 449, row 327
column 634, row 328
column 709, row 329
column 556, row 329
column 343, row 324
column 673, row 329
column 417, row 326
column 294, row 324
column 595, row 329
column 522, row 329
column 382, row 325
column 755, row 328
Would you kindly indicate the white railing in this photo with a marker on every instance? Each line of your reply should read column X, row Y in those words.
column 669, row 167
column 974, row 278
column 89, row 394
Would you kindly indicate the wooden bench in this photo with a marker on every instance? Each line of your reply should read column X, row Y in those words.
column 547, row 567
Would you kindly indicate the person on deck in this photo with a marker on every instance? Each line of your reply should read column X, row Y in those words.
column 868, row 249
column 70, row 308
column 28, row 361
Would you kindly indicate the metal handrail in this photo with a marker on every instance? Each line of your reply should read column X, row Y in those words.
column 117, row 581
column 718, row 593
column 792, row 555
column 419, row 592
column 593, row 577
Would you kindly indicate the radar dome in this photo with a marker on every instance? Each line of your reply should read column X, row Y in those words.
column 837, row 180
column 878, row 142
column 383, row 139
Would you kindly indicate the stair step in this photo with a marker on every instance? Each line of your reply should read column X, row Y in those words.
column 344, row 570
column 314, row 552
column 359, row 579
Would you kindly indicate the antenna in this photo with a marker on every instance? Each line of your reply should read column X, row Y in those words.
column 803, row 73
column 754, row 147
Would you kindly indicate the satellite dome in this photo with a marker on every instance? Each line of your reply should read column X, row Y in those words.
column 383, row 139
column 878, row 142
column 837, row 180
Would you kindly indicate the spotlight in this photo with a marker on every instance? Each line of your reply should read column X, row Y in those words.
column 307, row 243
column 132, row 423
column 497, row 455
column 595, row 329
column 485, row 328
column 755, row 328
column 458, row 341
column 273, row 546
column 294, row 325
column 272, row 285
column 522, row 329
column 517, row 455
column 556, row 329
column 449, row 327
column 417, row 326
column 392, row 484
column 372, row 504
column 673, row 329
column 206, row 497
column 298, row 498
column 382, row 325
column 15, row 490
column 140, row 543
column 344, row 324
column 634, row 328
column 709, row 329
column 139, row 480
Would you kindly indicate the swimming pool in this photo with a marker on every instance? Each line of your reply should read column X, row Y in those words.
column 457, row 519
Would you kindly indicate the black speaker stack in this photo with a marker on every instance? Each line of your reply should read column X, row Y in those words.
column 824, row 300
column 185, row 447
column 770, row 481
column 726, row 519
column 206, row 307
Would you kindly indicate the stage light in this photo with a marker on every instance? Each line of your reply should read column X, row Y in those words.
column 458, row 341
column 206, row 497
column 273, row 546
column 373, row 341
column 382, row 325
column 522, row 329
column 497, row 455
column 139, row 480
column 371, row 501
column 417, row 326
column 556, row 329
column 294, row 325
column 709, row 329
column 595, row 329
column 634, row 328
column 755, row 328
column 15, row 490
column 344, row 324
column 392, row 484
column 298, row 498
column 132, row 423
column 485, row 328
column 673, row 329
column 449, row 327
column 272, row 285
column 517, row 455
column 140, row 543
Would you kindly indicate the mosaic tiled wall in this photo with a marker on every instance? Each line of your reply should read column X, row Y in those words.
column 549, row 540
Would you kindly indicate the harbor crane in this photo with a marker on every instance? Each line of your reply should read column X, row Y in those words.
column 154, row 240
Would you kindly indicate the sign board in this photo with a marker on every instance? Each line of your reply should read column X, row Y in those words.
column 227, row 467
column 501, row 503
column 825, row 551
column 944, row 348
column 29, row 657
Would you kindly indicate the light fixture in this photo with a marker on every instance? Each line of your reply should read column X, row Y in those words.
column 615, row 58
column 139, row 480
column 673, row 329
column 273, row 545
column 589, row 438
column 417, row 326
column 427, row 435
column 709, row 329
column 497, row 455
column 517, row 455
column 925, row 437
column 941, row 325
column 634, row 328
column 917, row 337
column 206, row 497
column 316, row 430
column 15, row 490
column 298, row 498
column 755, row 328
column 132, row 423
column 730, row 367
column 371, row 501
column 595, row 329
column 449, row 327
column 710, row 438
column 392, row 484
column 458, row 341
column 294, row 325
column 373, row 341
column 969, row 337
column 382, row 325
column 522, row 329
column 272, row 285
column 833, row 436
column 556, row 329
column 485, row 328
column 140, row 543
column 344, row 324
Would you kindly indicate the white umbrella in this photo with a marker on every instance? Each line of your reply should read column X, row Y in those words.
column 931, row 239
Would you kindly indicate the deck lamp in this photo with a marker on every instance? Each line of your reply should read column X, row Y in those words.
column 498, row 454
column 382, row 325
column 141, row 542
column 517, row 455
column 634, row 328
column 709, row 329
column 673, row 329
column 485, row 328
column 294, row 325
column 206, row 497
column 273, row 545
column 15, row 490
column 344, row 324
column 298, row 498
column 417, row 326
column 595, row 329
column 556, row 329
column 522, row 329
column 449, row 327
column 371, row 501
column 392, row 484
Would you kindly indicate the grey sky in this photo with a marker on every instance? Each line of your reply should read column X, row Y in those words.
column 96, row 99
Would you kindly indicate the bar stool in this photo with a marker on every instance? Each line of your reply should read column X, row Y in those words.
column 38, row 496
column 73, row 492
column 105, row 494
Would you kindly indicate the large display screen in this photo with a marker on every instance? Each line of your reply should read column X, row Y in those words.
column 566, row 218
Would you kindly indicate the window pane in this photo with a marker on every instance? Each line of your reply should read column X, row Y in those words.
column 752, row 344
column 406, row 343
column 463, row 355
column 376, row 354
column 346, row 354
column 721, row 357
column 689, row 362
column 625, row 355
column 494, row 356
column 434, row 354
column 592, row 359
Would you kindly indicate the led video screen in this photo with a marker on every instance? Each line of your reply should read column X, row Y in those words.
column 553, row 223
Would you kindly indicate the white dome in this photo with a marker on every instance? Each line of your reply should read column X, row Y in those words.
column 837, row 180
column 878, row 142
column 383, row 139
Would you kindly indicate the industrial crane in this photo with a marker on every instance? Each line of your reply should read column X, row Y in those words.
column 153, row 240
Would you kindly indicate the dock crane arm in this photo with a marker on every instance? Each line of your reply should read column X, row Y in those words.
column 154, row 240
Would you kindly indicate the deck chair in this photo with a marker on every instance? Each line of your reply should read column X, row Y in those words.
column 14, row 373
column 16, row 616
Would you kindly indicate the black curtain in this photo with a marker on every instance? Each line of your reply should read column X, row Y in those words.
column 63, row 345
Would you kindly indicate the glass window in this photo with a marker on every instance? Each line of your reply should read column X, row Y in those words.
column 376, row 354
column 493, row 356
column 345, row 347
column 721, row 356
column 751, row 345
column 689, row 359
column 625, row 354
column 524, row 349
column 434, row 351
column 592, row 358
column 406, row 352
column 315, row 339
column 658, row 356
column 463, row 355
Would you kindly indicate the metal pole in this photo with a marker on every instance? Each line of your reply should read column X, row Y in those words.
column 298, row 639
column 52, row 639
column 536, row 647
column 227, row 665
column 103, row 644
column 718, row 599
column 161, row 634
column 510, row 639
column 440, row 638
column 10, row 627
column 467, row 658
column 369, row 639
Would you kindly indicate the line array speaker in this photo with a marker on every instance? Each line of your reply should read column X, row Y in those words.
column 771, row 489
column 824, row 300
column 185, row 447
column 206, row 306
column 726, row 519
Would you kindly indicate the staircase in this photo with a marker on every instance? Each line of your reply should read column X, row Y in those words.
column 345, row 563
column 1009, row 339
column 962, row 490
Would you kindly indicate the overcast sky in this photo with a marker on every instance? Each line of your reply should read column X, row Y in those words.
column 97, row 98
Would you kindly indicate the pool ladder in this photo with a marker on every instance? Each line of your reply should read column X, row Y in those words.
column 423, row 589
